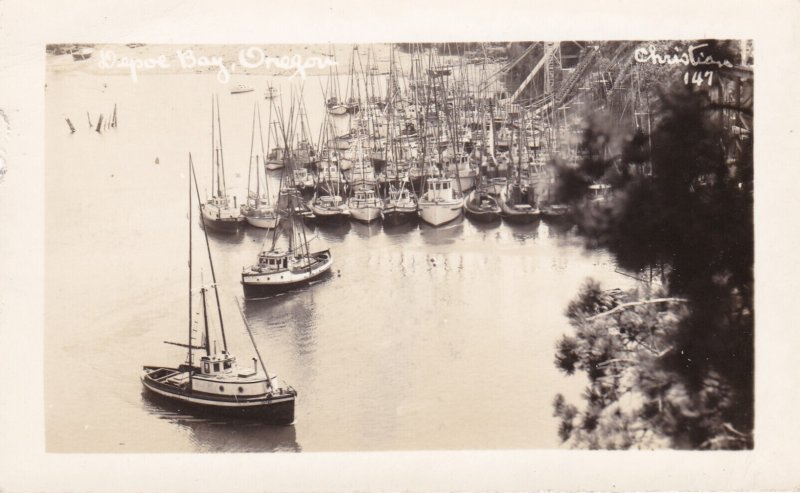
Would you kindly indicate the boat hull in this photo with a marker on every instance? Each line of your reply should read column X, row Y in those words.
column 275, row 410
column 395, row 216
column 259, row 285
column 438, row 213
column 265, row 222
column 365, row 214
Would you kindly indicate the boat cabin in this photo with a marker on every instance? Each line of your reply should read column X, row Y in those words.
column 217, row 363
column 273, row 260
column 276, row 154
column 364, row 195
column 330, row 201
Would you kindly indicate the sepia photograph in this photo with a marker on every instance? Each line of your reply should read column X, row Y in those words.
column 331, row 252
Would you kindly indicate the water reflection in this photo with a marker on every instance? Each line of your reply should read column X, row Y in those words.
column 442, row 235
column 224, row 434
column 366, row 230
column 333, row 232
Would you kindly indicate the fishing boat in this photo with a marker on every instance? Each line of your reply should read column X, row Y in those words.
column 329, row 208
column 440, row 203
column 482, row 206
column 275, row 159
column 241, row 88
column 258, row 211
column 303, row 180
column 335, row 107
column 518, row 204
column 218, row 213
column 210, row 381
column 365, row 205
column 288, row 262
column 400, row 206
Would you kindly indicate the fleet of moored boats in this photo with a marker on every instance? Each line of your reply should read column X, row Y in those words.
column 432, row 152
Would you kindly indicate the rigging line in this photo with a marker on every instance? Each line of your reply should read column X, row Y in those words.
column 211, row 263
column 252, row 339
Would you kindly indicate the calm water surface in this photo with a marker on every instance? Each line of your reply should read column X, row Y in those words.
column 420, row 338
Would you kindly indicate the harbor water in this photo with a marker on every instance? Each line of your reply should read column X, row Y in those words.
column 420, row 338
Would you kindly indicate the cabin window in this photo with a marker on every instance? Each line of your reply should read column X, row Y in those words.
column 226, row 365
column 241, row 389
column 285, row 262
column 221, row 388
column 205, row 367
column 216, row 367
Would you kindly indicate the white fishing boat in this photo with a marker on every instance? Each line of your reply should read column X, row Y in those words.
column 365, row 205
column 440, row 203
column 210, row 382
column 329, row 208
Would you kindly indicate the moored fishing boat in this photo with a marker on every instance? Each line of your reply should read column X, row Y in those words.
column 400, row 206
column 257, row 210
column 218, row 213
column 365, row 205
column 440, row 203
column 329, row 208
column 482, row 206
column 216, row 385
column 518, row 205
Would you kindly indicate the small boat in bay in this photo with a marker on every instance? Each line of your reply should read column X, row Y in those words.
column 241, row 88
column 288, row 262
column 518, row 204
column 210, row 382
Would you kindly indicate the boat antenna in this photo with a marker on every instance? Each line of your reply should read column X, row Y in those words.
column 211, row 264
column 260, row 359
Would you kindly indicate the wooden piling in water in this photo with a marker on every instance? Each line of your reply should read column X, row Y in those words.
column 90, row 119
column 99, row 123
column 71, row 127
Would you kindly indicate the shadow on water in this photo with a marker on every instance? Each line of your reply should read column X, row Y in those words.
column 225, row 237
column 256, row 235
column 486, row 226
column 224, row 434
column 398, row 230
column 333, row 232
column 558, row 227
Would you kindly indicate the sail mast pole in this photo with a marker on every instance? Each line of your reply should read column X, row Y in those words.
column 213, row 275
column 190, row 273
column 221, row 157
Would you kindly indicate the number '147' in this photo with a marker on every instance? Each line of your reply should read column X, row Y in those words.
column 698, row 78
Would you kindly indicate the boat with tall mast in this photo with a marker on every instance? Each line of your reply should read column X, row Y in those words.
column 210, row 382
column 258, row 211
column 218, row 212
column 288, row 262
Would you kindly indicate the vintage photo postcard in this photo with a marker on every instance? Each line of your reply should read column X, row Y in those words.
column 514, row 252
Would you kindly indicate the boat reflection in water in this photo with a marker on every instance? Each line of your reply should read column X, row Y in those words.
column 442, row 235
column 224, row 434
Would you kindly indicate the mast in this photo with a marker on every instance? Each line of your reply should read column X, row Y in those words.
column 190, row 273
column 213, row 275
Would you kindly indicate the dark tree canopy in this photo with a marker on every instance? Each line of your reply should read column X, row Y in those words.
column 689, row 217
